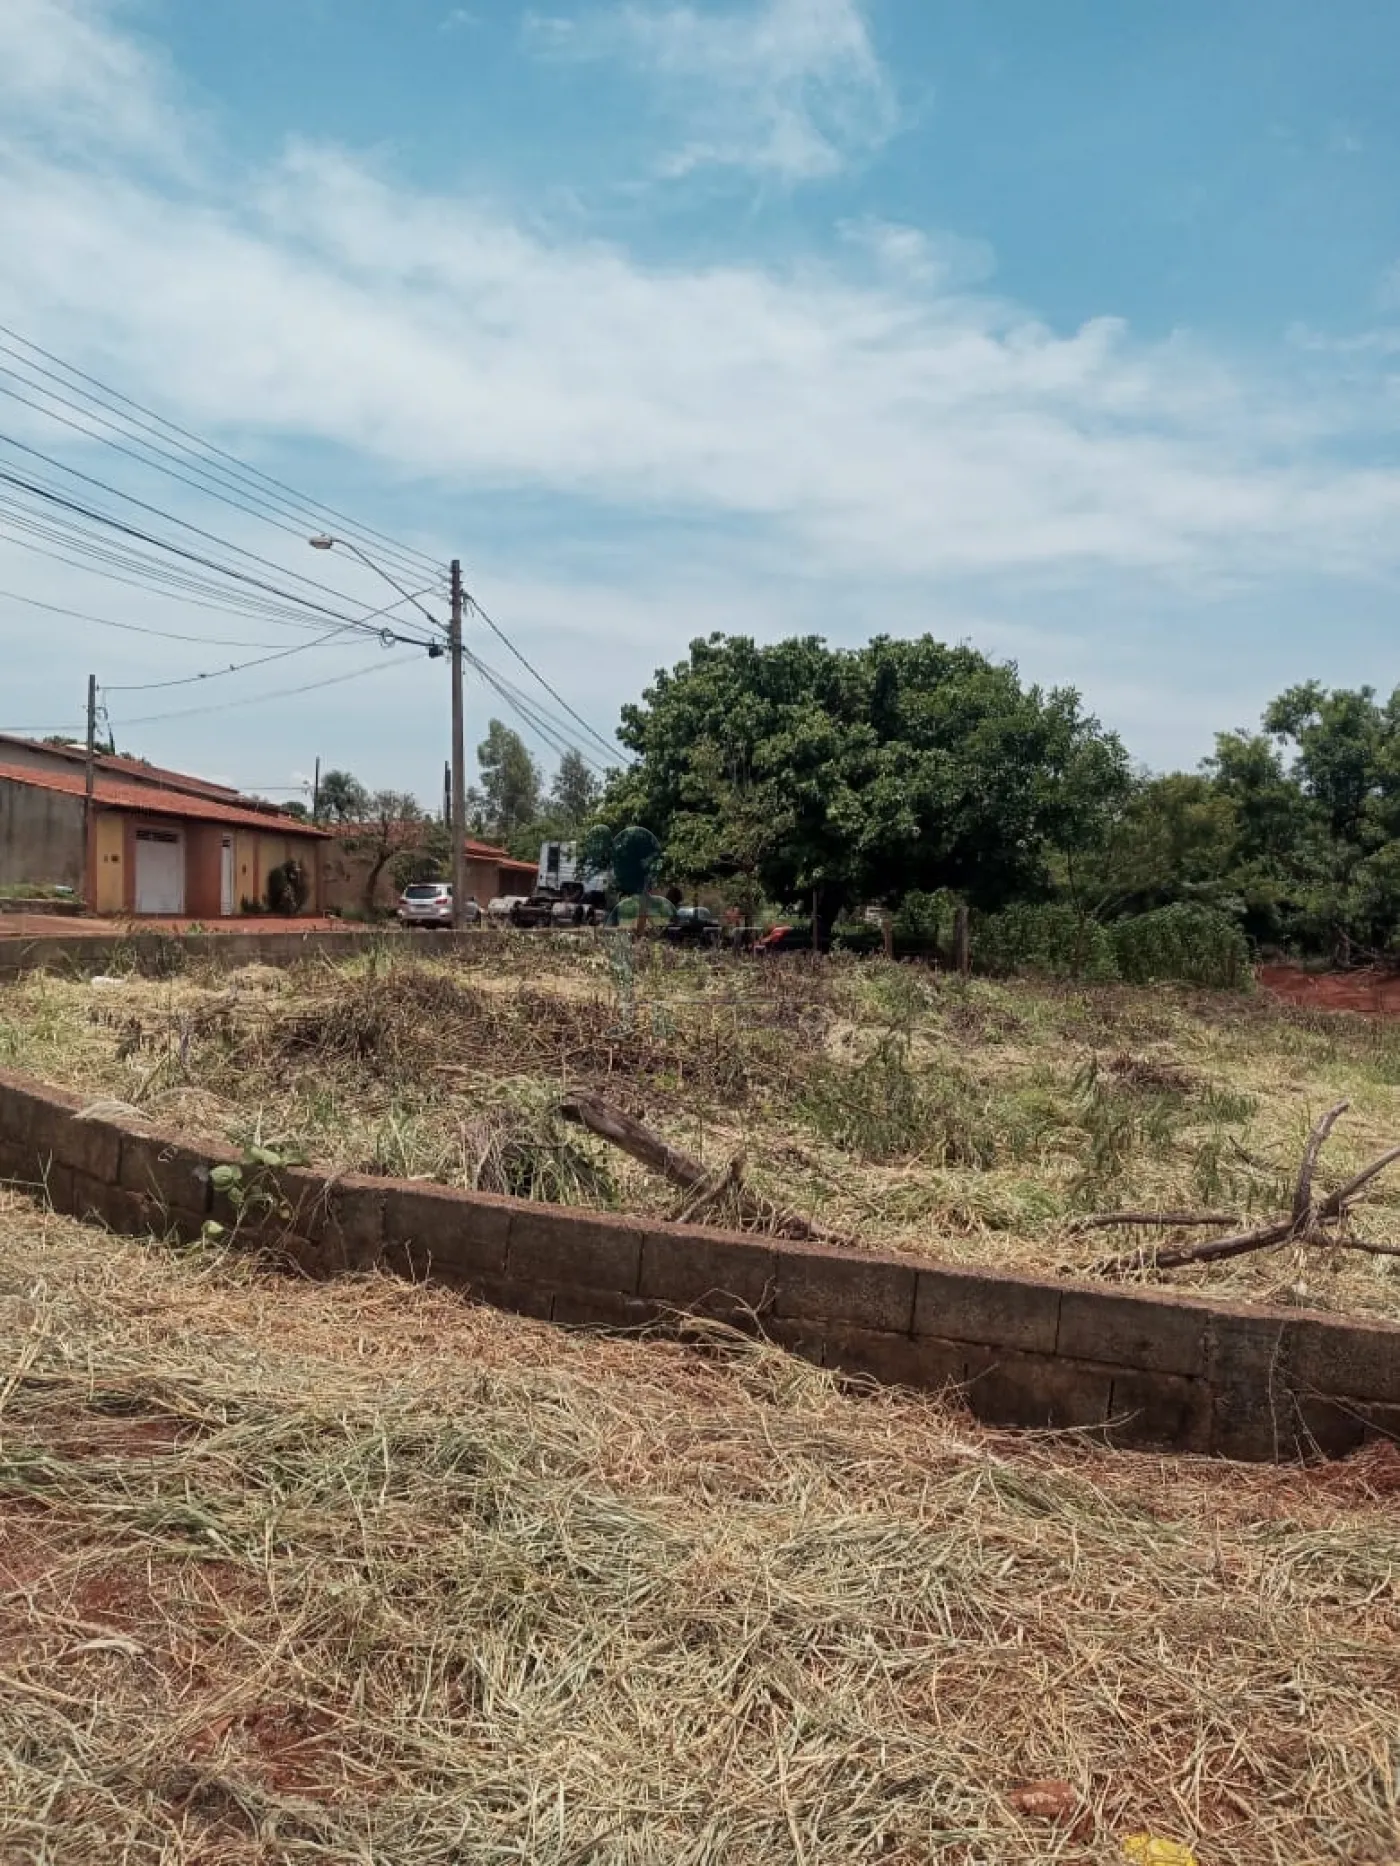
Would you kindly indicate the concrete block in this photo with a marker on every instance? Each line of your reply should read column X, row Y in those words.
column 1359, row 1358
column 459, row 1232
column 344, row 1216
column 1159, row 1409
column 992, row 1309
column 919, row 1361
column 602, row 1308
column 1249, row 1371
column 498, row 1292
column 1157, row 1334
column 1037, row 1391
column 568, row 1250
column 166, row 1172
column 815, row 1283
column 91, row 1147
column 706, row 1272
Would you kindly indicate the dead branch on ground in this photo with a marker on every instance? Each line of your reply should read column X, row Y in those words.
column 705, row 1188
column 1310, row 1221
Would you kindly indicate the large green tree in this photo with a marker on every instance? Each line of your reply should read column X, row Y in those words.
column 510, row 781
column 863, row 774
column 575, row 793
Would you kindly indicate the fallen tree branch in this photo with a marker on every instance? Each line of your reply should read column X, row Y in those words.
column 1302, row 1193
column 683, row 1169
column 1307, row 1223
column 1104, row 1221
column 724, row 1179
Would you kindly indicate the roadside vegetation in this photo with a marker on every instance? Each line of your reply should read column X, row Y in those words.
column 358, row 1571
column 966, row 1120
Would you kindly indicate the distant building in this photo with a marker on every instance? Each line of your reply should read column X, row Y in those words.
column 490, row 871
column 163, row 843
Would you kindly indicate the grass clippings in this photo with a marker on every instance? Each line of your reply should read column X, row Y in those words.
column 359, row 1573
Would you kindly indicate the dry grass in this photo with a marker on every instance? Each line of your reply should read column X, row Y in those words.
column 968, row 1122
column 358, row 1573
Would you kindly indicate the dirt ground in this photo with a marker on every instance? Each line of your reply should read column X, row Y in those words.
column 1371, row 991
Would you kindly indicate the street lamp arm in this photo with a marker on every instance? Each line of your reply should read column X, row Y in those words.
column 323, row 541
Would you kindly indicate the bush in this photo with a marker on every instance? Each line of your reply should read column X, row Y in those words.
column 1046, row 938
column 1185, row 943
column 287, row 888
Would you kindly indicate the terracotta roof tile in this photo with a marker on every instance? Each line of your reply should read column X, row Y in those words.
column 147, row 800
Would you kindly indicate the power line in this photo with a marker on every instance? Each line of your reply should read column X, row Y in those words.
column 210, row 458
column 111, row 560
column 258, row 699
column 550, row 731
column 216, row 673
column 156, row 511
column 137, row 628
column 132, row 531
column 611, row 750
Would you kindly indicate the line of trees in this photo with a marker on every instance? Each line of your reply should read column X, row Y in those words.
column 817, row 777
column 838, row 777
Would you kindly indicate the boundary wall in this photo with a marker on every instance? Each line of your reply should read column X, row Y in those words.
column 1136, row 1368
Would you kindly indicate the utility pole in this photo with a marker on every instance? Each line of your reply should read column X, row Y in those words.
column 459, row 757
column 316, row 792
column 89, row 889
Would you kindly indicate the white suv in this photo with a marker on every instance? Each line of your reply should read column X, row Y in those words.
column 429, row 904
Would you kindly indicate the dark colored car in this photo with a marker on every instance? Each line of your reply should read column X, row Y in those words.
column 694, row 926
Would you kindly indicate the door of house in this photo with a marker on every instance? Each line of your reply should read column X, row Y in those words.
column 160, row 871
column 226, row 877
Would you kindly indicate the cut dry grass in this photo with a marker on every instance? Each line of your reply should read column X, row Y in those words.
column 969, row 1122
column 358, row 1573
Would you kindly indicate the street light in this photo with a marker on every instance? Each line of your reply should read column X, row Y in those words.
column 324, row 542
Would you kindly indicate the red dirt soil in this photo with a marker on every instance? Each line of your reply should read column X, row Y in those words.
column 1371, row 991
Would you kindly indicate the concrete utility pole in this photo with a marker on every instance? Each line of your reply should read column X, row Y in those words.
column 316, row 792
column 459, row 756
column 89, row 888
column 324, row 542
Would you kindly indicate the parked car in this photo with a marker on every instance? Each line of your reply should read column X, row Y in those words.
column 429, row 904
column 694, row 926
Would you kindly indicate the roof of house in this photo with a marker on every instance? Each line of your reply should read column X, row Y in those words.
column 149, row 800
column 153, row 775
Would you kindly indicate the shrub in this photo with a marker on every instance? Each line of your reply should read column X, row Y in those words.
column 1046, row 938
column 287, row 889
column 1186, row 943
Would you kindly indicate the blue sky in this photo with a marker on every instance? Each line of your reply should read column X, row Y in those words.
column 1071, row 330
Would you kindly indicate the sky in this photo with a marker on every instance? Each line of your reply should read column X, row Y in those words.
column 1069, row 331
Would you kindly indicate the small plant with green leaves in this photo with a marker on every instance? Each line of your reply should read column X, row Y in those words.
column 251, row 1188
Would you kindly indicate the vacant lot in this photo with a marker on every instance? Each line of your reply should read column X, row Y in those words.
column 970, row 1121
column 357, row 1572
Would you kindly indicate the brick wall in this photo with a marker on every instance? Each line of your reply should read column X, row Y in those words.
column 1138, row 1368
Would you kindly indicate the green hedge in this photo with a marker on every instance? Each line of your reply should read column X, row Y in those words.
column 1192, row 945
column 1047, row 939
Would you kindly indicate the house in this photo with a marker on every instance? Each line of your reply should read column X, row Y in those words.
column 349, row 863
column 162, row 843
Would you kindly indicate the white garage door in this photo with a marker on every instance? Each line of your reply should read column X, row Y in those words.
column 160, row 871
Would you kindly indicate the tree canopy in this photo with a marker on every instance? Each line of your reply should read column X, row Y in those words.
column 864, row 774
column 510, row 781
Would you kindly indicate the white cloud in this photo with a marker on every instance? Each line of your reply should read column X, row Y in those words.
column 791, row 89
column 835, row 446
column 64, row 67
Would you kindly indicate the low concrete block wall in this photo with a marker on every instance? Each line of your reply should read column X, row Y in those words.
column 157, row 953
column 1138, row 1368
